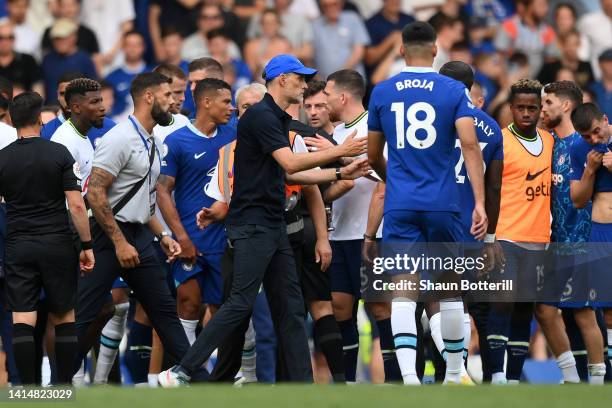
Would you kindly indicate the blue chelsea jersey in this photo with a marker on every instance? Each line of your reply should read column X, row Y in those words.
column 579, row 151
column 191, row 157
column 416, row 111
column 491, row 143
column 569, row 224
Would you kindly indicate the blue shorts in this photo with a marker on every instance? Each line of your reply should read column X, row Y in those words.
column 119, row 283
column 600, row 259
column 525, row 268
column 345, row 268
column 207, row 270
column 422, row 226
column 569, row 280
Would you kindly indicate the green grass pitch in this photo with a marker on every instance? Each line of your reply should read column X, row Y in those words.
column 311, row 396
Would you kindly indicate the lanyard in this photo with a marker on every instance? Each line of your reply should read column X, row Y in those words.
column 144, row 141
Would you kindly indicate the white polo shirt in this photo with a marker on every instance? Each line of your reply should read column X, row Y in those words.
column 350, row 212
column 79, row 147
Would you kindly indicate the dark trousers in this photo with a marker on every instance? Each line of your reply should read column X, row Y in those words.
column 147, row 281
column 261, row 254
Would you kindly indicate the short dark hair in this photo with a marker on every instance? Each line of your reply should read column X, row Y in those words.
column 418, row 33
column 566, row 90
column 314, row 87
column 146, row 81
column 170, row 70
column 570, row 6
column 69, row 76
column 80, row 87
column 441, row 20
column 6, row 88
column 4, row 103
column 349, row 80
column 167, row 31
column 525, row 86
column 206, row 63
column 106, row 85
column 459, row 71
column 584, row 115
column 25, row 109
column 208, row 85
column 217, row 32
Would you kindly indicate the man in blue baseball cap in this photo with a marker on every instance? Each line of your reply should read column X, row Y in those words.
column 256, row 228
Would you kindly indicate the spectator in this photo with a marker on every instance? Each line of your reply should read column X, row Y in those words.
column 258, row 51
column 460, row 51
column 449, row 31
column 527, row 32
column 296, row 28
column 172, row 43
column 71, row 10
column 210, row 17
column 602, row 90
column 385, row 29
column 597, row 27
column 492, row 11
column 234, row 27
column 489, row 70
column 27, row 40
column 65, row 56
column 179, row 14
column 565, row 22
column 481, row 36
column 21, row 69
column 306, row 8
column 570, row 44
column 246, row 9
column 108, row 96
column 110, row 20
column 218, row 45
column 340, row 38
column 200, row 69
column 121, row 78
column 48, row 113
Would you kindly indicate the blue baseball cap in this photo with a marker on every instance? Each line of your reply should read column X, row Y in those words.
column 285, row 64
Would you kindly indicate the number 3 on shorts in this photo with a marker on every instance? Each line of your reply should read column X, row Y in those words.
column 414, row 124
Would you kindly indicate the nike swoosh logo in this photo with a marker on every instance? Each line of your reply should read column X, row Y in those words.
column 533, row 176
column 197, row 156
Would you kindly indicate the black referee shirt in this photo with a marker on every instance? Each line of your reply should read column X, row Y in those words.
column 34, row 173
column 259, row 181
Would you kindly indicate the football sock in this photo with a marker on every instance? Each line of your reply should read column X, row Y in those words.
column 387, row 348
column 597, row 373
column 350, row 347
column 23, row 349
column 190, row 329
column 327, row 336
column 138, row 353
column 436, row 334
column 66, row 341
column 112, row 333
column 498, row 331
column 451, row 326
column 249, row 355
column 567, row 364
column 576, row 343
column 403, row 324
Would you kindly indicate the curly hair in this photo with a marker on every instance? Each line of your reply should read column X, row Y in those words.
column 525, row 86
column 80, row 86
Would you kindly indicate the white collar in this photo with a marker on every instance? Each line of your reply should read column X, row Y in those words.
column 197, row 132
column 418, row 70
column 61, row 117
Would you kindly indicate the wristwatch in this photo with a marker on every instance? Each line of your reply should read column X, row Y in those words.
column 162, row 235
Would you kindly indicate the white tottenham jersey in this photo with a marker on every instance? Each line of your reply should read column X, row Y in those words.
column 178, row 121
column 350, row 212
column 79, row 147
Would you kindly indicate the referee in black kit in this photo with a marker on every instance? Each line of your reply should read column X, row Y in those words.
column 121, row 193
column 36, row 179
column 256, row 228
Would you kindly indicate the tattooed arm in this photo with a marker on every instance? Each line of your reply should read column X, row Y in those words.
column 165, row 186
column 99, row 183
